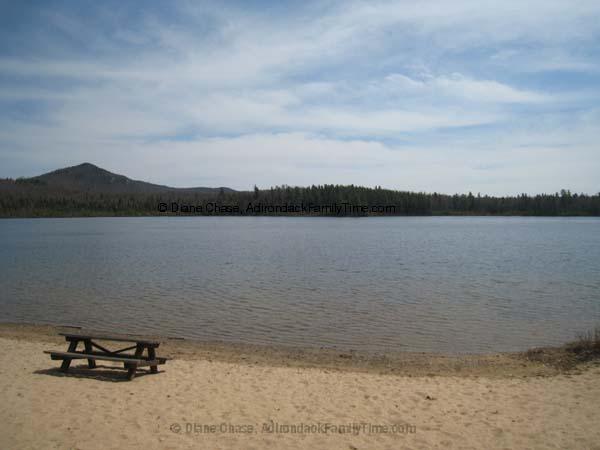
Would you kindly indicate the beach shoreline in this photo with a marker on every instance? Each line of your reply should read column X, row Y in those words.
column 229, row 396
column 491, row 365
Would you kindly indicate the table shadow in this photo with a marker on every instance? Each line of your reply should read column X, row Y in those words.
column 101, row 372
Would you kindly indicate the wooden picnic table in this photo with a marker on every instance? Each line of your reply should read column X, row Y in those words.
column 93, row 351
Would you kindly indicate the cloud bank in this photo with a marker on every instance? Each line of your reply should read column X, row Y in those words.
column 491, row 97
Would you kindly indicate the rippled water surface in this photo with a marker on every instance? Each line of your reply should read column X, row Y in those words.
column 408, row 283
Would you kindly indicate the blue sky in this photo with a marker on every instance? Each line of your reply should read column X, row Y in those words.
column 490, row 97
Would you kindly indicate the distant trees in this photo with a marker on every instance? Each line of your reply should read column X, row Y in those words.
column 24, row 199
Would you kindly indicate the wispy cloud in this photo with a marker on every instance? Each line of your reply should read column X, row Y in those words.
column 350, row 92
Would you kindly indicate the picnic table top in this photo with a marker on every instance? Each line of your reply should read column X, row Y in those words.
column 107, row 337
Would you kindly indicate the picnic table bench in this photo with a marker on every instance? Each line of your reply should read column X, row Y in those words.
column 93, row 351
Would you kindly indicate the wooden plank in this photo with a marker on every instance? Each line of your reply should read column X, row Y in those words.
column 97, row 354
column 124, row 359
column 112, row 352
column 116, row 352
column 115, row 338
column 99, row 347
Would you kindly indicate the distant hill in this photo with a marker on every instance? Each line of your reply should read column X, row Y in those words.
column 87, row 190
column 87, row 177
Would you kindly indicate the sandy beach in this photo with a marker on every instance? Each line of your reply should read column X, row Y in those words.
column 221, row 396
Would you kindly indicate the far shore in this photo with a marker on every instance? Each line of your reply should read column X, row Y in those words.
column 475, row 215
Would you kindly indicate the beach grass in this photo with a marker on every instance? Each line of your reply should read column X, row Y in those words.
column 584, row 349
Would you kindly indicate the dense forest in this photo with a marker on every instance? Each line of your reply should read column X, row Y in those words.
column 31, row 198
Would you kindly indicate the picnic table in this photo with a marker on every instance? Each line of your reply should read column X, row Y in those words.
column 93, row 351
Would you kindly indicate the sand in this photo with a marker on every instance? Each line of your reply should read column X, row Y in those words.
column 209, row 398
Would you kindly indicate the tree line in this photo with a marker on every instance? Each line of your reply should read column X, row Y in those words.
column 31, row 200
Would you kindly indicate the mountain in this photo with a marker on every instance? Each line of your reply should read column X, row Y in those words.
column 87, row 177
column 87, row 190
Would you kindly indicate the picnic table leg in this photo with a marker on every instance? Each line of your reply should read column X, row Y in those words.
column 88, row 349
column 139, row 349
column 131, row 371
column 67, row 361
column 152, row 356
column 131, row 368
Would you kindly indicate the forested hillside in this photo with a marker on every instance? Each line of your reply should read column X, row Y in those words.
column 32, row 198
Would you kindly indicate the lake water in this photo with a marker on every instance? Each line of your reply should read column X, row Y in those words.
column 447, row 284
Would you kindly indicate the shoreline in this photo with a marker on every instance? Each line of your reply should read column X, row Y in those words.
column 312, row 216
column 231, row 396
column 401, row 363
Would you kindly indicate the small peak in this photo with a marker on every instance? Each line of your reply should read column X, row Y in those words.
column 87, row 165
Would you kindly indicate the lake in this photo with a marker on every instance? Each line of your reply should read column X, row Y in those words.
column 433, row 284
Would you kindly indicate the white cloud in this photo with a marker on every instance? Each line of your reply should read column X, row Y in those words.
column 524, row 160
column 323, row 95
column 461, row 87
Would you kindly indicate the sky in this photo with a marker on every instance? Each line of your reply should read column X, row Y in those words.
column 496, row 97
